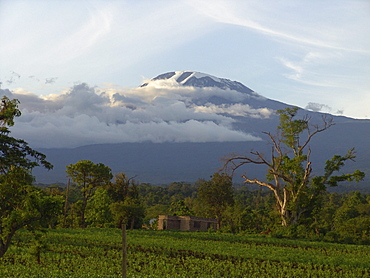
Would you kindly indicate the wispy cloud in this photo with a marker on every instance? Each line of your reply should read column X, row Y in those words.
column 76, row 43
column 323, row 48
column 293, row 51
column 91, row 39
column 306, row 23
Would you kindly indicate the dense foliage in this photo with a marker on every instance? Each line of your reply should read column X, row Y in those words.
column 338, row 217
column 217, row 194
column 21, row 203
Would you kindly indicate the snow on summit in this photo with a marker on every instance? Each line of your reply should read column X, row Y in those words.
column 180, row 77
column 183, row 76
column 196, row 79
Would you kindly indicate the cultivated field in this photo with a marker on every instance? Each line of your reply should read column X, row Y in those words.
column 96, row 253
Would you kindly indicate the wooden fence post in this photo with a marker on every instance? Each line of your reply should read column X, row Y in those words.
column 124, row 250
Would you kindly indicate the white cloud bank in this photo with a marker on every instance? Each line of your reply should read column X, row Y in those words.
column 85, row 115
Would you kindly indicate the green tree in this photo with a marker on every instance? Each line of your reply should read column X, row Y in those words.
column 122, row 187
column 324, row 216
column 289, row 174
column 352, row 219
column 88, row 176
column 21, row 203
column 217, row 195
column 152, row 212
column 181, row 209
column 237, row 218
column 98, row 213
column 129, row 211
column 128, row 207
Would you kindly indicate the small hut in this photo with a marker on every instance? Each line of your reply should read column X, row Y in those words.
column 186, row 223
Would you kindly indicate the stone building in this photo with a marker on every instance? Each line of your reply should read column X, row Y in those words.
column 186, row 223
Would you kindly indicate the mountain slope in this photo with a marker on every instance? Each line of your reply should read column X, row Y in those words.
column 244, row 111
column 201, row 80
column 206, row 81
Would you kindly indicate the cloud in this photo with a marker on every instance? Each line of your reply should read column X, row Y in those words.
column 50, row 80
column 17, row 75
column 239, row 109
column 339, row 112
column 309, row 24
column 93, row 38
column 322, row 50
column 286, row 50
column 317, row 107
column 85, row 115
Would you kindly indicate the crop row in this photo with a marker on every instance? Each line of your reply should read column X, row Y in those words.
column 97, row 253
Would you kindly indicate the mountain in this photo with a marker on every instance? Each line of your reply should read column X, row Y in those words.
column 201, row 80
column 246, row 112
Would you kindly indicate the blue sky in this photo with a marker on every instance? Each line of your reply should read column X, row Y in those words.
column 298, row 52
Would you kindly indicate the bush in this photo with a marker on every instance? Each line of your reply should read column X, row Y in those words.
column 331, row 236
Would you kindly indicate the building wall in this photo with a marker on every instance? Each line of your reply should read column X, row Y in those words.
column 185, row 223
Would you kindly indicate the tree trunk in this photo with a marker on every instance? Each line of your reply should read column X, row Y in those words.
column 284, row 220
column 3, row 249
column 4, row 245
column 285, row 215
column 66, row 204
column 132, row 224
column 219, row 219
column 282, row 201
column 82, row 219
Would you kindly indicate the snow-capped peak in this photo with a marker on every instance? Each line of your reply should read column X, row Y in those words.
column 183, row 76
column 198, row 79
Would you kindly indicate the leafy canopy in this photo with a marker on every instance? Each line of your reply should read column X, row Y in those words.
column 21, row 203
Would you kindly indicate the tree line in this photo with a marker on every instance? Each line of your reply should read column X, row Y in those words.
column 336, row 217
column 290, row 202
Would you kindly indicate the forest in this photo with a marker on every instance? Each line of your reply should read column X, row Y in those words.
column 341, row 217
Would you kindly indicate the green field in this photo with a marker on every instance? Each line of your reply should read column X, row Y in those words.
column 97, row 253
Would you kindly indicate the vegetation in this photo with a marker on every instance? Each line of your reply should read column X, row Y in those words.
column 258, row 236
column 339, row 217
column 289, row 174
column 21, row 204
column 88, row 176
column 127, row 207
column 96, row 253
column 217, row 195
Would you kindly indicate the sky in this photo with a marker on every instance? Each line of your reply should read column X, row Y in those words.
column 309, row 53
